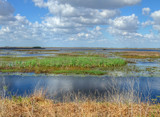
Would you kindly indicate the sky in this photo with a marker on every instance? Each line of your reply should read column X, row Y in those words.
column 80, row 23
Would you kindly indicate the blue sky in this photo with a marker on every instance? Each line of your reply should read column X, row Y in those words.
column 77, row 23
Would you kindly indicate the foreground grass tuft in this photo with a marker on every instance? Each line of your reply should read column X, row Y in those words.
column 37, row 106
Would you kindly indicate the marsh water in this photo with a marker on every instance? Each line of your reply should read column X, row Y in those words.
column 146, row 85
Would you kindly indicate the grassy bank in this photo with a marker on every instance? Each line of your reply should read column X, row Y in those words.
column 38, row 106
column 62, row 64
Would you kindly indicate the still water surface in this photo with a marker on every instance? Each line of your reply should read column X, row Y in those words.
column 54, row 85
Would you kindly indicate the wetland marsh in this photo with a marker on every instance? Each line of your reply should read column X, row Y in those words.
column 87, row 75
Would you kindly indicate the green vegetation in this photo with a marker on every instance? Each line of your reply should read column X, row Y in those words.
column 62, row 64
column 88, row 62
column 9, row 70
column 92, row 72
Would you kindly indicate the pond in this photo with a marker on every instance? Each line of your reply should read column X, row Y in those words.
column 56, row 85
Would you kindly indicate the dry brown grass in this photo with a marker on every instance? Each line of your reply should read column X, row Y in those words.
column 139, row 54
column 38, row 106
column 82, row 54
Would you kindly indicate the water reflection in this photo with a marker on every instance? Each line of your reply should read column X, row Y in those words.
column 147, row 64
column 87, row 85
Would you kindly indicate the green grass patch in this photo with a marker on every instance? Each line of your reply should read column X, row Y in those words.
column 88, row 62
column 8, row 70
column 63, row 64
column 90, row 72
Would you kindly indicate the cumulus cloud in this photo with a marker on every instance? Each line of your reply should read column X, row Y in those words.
column 125, row 23
column 146, row 11
column 99, row 4
column 156, row 20
column 5, row 8
column 6, row 12
column 155, row 23
column 12, row 27
column 124, row 29
column 83, row 17
column 66, row 18
column 39, row 3
column 75, row 21
column 17, row 29
column 147, row 23
column 156, row 17
column 76, row 16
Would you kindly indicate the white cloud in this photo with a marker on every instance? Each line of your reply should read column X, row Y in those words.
column 156, row 20
column 74, row 17
column 156, row 17
column 39, row 3
column 123, row 34
column 155, row 23
column 98, row 28
column 72, row 22
column 17, row 29
column 5, row 8
column 6, row 12
column 147, row 23
column 99, row 4
column 125, row 23
column 68, row 19
column 124, row 29
column 146, row 11
column 88, row 36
